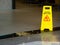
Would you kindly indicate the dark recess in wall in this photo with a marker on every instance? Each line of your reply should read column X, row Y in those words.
column 13, row 4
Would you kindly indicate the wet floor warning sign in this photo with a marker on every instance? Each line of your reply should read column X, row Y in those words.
column 46, row 18
column 46, row 21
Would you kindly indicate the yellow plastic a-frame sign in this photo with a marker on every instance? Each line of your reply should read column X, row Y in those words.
column 46, row 22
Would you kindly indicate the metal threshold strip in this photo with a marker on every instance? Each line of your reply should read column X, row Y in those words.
column 25, row 33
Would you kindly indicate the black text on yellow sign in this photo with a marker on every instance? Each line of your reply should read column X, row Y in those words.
column 46, row 22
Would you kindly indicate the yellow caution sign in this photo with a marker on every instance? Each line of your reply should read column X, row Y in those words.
column 46, row 22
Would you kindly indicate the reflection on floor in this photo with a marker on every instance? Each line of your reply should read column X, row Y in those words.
column 44, row 38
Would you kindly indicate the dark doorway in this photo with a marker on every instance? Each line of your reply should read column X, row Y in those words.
column 13, row 4
column 21, row 3
column 51, row 1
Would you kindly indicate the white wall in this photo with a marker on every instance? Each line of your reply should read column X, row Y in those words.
column 5, row 4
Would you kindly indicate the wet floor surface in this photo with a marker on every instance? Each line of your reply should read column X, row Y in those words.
column 45, row 38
